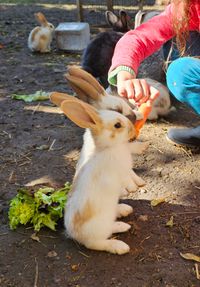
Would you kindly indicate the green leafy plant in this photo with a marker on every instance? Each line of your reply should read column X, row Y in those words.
column 43, row 207
column 37, row 96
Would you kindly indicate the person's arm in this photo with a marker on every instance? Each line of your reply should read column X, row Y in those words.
column 138, row 44
column 132, row 49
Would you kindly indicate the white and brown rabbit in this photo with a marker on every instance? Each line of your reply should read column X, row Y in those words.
column 93, row 207
column 89, row 90
column 40, row 37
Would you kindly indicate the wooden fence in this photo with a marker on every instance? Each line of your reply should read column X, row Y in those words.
column 109, row 5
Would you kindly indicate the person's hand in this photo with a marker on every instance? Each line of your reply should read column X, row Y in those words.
column 135, row 90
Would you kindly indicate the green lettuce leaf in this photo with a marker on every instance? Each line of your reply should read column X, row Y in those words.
column 41, row 208
column 37, row 96
column 22, row 208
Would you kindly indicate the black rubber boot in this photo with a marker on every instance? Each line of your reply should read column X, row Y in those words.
column 187, row 137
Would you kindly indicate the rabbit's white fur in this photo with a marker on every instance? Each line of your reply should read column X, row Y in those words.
column 162, row 105
column 103, row 101
column 88, row 150
column 116, row 103
column 40, row 38
column 92, row 209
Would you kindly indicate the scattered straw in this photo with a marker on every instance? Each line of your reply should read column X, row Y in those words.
column 36, row 273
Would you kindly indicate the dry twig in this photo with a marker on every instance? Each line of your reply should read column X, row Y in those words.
column 36, row 273
column 197, row 271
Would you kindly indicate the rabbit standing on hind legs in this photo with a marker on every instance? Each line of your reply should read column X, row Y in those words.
column 40, row 38
column 89, row 90
column 92, row 209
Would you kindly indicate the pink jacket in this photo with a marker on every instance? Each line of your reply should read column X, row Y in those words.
column 140, row 43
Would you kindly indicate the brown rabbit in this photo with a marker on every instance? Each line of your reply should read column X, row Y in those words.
column 40, row 38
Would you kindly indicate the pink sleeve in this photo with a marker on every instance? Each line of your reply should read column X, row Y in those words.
column 140, row 43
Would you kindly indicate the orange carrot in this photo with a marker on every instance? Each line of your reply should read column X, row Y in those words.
column 145, row 109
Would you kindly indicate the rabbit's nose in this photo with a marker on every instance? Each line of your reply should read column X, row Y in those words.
column 132, row 139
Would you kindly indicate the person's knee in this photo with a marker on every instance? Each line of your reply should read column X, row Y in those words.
column 182, row 74
column 183, row 80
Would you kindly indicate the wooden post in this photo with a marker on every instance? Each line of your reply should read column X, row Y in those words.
column 110, row 5
column 141, row 4
column 79, row 10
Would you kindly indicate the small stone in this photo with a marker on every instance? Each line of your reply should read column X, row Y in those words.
column 52, row 254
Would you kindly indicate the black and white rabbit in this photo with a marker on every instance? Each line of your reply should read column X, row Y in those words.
column 97, row 56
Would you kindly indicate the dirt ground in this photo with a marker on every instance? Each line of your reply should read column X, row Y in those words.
column 170, row 172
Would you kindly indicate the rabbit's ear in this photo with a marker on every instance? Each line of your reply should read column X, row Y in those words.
column 138, row 18
column 111, row 18
column 41, row 19
column 82, row 114
column 84, row 84
column 124, row 18
column 57, row 98
column 80, row 73
column 80, row 94
column 84, row 87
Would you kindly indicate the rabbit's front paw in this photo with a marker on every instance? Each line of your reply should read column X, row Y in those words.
column 124, row 210
column 124, row 193
column 143, row 146
column 120, row 227
column 137, row 179
column 131, row 186
column 138, row 147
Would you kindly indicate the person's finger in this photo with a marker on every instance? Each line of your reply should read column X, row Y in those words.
column 121, row 90
column 138, row 90
column 130, row 89
column 154, row 94
column 146, row 91
column 122, row 77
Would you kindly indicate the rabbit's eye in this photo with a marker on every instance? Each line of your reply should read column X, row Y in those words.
column 118, row 125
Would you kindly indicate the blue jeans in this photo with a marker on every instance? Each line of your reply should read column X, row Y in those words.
column 183, row 80
column 183, row 74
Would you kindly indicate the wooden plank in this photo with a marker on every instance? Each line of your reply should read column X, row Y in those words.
column 110, row 5
column 79, row 10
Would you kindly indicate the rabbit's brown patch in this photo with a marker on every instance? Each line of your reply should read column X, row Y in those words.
column 41, row 18
column 132, row 131
column 80, row 218
column 132, row 117
column 43, row 43
column 111, row 127
column 35, row 31
column 117, row 109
